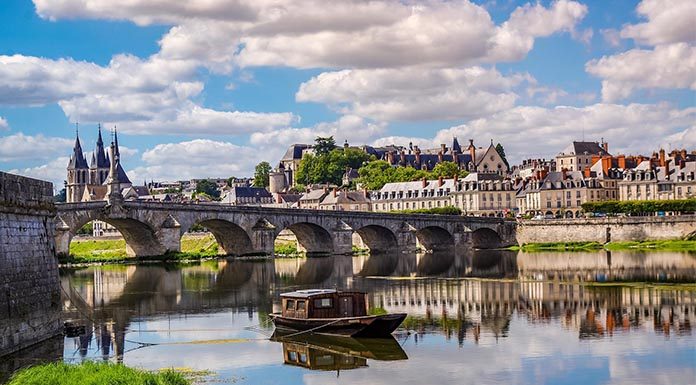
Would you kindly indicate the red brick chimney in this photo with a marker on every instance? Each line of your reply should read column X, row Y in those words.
column 621, row 161
column 390, row 157
column 472, row 151
column 563, row 173
column 402, row 157
column 439, row 182
column 335, row 191
column 439, row 156
column 662, row 157
column 417, row 151
column 425, row 182
column 683, row 153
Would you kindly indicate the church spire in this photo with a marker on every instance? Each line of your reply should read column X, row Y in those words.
column 100, row 154
column 77, row 160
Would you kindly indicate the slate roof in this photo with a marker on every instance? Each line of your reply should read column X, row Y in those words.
column 77, row 159
column 345, row 197
column 579, row 148
column 294, row 152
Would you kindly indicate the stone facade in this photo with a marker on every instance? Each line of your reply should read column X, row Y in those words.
column 29, row 287
column 604, row 230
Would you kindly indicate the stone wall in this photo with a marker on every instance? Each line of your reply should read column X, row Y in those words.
column 604, row 230
column 29, row 285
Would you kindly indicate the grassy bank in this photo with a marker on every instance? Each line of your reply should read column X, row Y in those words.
column 90, row 373
column 666, row 245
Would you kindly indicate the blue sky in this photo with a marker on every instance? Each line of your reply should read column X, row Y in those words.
column 211, row 88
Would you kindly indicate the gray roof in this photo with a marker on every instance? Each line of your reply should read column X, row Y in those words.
column 589, row 148
column 295, row 151
column 250, row 192
column 77, row 159
column 308, row 293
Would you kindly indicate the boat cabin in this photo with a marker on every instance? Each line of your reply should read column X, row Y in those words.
column 325, row 303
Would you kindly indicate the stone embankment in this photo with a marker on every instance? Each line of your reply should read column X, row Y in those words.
column 604, row 230
column 29, row 284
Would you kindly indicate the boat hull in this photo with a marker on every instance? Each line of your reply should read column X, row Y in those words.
column 366, row 326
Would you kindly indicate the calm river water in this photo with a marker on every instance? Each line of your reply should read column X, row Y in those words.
column 488, row 317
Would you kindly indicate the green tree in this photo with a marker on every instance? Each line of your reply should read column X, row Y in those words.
column 207, row 187
column 60, row 197
column 329, row 167
column 230, row 180
column 86, row 229
column 261, row 173
column 501, row 152
column 324, row 145
column 446, row 170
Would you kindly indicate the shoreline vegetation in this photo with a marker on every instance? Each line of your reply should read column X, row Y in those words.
column 195, row 247
column 663, row 245
column 95, row 373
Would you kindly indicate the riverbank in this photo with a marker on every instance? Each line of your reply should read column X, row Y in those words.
column 664, row 245
column 94, row 373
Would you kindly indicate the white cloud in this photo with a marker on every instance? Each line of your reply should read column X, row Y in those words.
column 3, row 124
column 611, row 36
column 669, row 21
column 197, row 158
column 667, row 66
column 54, row 172
column 413, row 93
column 21, row 147
column 670, row 64
column 630, row 129
column 150, row 96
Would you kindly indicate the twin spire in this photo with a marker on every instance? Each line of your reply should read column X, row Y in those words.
column 100, row 156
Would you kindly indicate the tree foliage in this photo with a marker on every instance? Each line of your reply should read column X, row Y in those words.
column 261, row 174
column 501, row 152
column 207, row 187
column 60, row 197
column 329, row 167
column 640, row 207
column 374, row 175
column 324, row 145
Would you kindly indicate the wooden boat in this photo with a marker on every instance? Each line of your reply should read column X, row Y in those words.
column 326, row 311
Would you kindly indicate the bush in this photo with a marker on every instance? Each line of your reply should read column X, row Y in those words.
column 94, row 373
column 640, row 207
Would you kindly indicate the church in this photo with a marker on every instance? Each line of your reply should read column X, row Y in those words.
column 91, row 182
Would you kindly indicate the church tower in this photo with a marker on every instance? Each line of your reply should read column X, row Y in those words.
column 78, row 172
column 99, row 167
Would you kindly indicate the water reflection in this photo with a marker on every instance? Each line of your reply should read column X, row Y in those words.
column 156, row 315
column 320, row 352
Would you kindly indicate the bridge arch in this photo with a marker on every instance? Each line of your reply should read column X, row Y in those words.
column 485, row 238
column 232, row 239
column 434, row 238
column 312, row 238
column 140, row 237
column 378, row 239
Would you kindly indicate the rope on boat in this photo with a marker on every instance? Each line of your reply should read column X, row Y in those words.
column 313, row 329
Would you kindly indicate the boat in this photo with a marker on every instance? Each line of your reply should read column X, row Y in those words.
column 333, row 312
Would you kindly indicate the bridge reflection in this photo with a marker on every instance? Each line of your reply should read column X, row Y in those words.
column 108, row 299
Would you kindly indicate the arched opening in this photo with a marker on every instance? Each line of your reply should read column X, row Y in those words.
column 113, row 238
column 231, row 238
column 433, row 238
column 310, row 238
column 569, row 214
column 378, row 239
column 578, row 214
column 485, row 239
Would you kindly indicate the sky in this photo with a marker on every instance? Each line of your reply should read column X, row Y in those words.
column 210, row 88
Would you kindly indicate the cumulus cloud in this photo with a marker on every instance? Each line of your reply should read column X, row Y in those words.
column 21, row 147
column 670, row 64
column 667, row 66
column 53, row 171
column 413, row 93
column 669, row 21
column 152, row 96
column 197, row 158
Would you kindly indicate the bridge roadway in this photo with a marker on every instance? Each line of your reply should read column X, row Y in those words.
column 155, row 228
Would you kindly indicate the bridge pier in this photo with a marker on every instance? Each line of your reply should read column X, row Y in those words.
column 169, row 235
column 406, row 238
column 342, row 236
column 263, row 238
column 62, row 238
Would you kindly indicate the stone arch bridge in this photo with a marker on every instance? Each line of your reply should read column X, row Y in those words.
column 154, row 228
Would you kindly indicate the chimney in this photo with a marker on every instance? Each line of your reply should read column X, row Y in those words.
column 605, row 146
column 594, row 159
column 563, row 173
column 278, row 198
column 662, row 157
column 683, row 154
column 587, row 172
column 606, row 164
column 390, row 157
column 403, row 157
column 326, row 190
column 365, row 194
column 456, row 178
column 621, row 159
column 439, row 157
column 472, row 151
column 425, row 182
column 667, row 169
column 443, row 148
column 335, row 191
column 417, row 151
column 439, row 182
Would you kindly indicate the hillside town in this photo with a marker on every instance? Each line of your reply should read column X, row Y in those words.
column 481, row 182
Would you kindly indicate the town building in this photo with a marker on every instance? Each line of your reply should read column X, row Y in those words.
column 343, row 200
column 485, row 194
column 247, row 196
column 422, row 194
column 578, row 155
column 660, row 177
column 313, row 198
column 558, row 194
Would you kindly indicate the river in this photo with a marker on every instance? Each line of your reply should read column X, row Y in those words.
column 484, row 317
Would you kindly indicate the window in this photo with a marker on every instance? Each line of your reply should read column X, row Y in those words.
column 300, row 305
column 303, row 358
column 322, row 303
column 292, row 356
column 290, row 304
